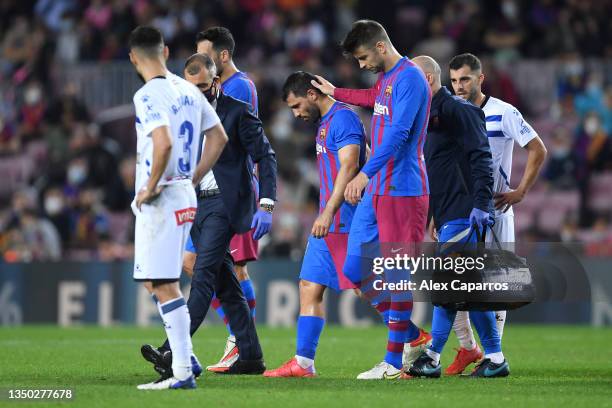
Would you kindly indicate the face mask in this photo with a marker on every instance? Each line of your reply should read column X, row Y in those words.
column 509, row 9
column 574, row 69
column 32, row 95
column 76, row 174
column 211, row 94
column 54, row 205
column 560, row 152
column 591, row 125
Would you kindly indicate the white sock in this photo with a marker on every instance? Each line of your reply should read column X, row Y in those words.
column 305, row 362
column 500, row 320
column 435, row 356
column 463, row 330
column 159, row 309
column 496, row 358
column 177, row 321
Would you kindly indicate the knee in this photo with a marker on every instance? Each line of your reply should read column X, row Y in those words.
column 311, row 292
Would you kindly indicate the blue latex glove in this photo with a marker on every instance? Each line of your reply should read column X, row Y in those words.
column 262, row 222
column 479, row 217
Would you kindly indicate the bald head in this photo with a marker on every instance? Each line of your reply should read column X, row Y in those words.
column 429, row 66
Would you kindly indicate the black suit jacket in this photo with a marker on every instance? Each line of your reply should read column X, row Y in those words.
column 233, row 171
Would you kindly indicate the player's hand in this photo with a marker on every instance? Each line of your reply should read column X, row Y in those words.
column 431, row 229
column 321, row 226
column 352, row 193
column 323, row 85
column 503, row 201
column 146, row 196
column 262, row 222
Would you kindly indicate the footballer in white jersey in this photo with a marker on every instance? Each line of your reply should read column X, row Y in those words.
column 505, row 125
column 162, row 227
column 170, row 115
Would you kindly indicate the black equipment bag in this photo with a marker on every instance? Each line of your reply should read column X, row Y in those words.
column 501, row 267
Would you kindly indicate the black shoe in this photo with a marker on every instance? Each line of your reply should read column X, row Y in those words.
column 246, row 367
column 161, row 360
column 424, row 366
column 488, row 369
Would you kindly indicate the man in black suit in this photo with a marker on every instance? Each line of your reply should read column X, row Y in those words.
column 226, row 206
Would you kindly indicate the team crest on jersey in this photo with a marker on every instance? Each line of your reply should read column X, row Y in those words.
column 185, row 215
column 322, row 134
column 388, row 90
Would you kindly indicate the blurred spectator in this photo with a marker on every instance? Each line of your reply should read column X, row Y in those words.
column 561, row 168
column 303, row 38
column 439, row 45
column 57, row 211
column 40, row 236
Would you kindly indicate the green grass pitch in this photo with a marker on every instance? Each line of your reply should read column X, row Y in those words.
column 551, row 366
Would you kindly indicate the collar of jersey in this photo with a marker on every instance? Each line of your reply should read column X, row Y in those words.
column 331, row 110
column 397, row 64
column 234, row 75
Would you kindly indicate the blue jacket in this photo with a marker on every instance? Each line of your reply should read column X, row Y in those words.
column 458, row 159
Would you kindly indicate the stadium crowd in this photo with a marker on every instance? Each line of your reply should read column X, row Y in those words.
column 66, row 185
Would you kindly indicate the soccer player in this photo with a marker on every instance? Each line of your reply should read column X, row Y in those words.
column 219, row 43
column 460, row 178
column 341, row 151
column 505, row 126
column 170, row 114
column 394, row 207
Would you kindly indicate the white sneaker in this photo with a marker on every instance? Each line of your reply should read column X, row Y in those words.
column 171, row 383
column 230, row 355
column 381, row 371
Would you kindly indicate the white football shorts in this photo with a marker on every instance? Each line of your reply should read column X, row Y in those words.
column 162, row 229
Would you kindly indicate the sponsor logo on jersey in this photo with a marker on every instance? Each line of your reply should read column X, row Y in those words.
column 185, row 215
column 380, row 109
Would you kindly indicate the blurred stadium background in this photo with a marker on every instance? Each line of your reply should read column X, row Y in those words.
column 67, row 138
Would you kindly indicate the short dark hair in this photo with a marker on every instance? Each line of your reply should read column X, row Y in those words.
column 363, row 33
column 468, row 59
column 196, row 62
column 299, row 84
column 147, row 39
column 220, row 37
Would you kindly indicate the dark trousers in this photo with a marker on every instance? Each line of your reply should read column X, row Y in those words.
column 214, row 272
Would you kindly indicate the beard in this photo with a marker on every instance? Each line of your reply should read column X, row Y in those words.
column 378, row 68
column 314, row 114
column 219, row 67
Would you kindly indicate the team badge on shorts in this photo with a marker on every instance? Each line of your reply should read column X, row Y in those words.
column 185, row 215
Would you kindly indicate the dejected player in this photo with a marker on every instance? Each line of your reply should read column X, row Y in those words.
column 505, row 126
column 341, row 151
column 170, row 114
column 394, row 207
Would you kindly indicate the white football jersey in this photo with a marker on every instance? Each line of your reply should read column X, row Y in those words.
column 505, row 125
column 172, row 102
